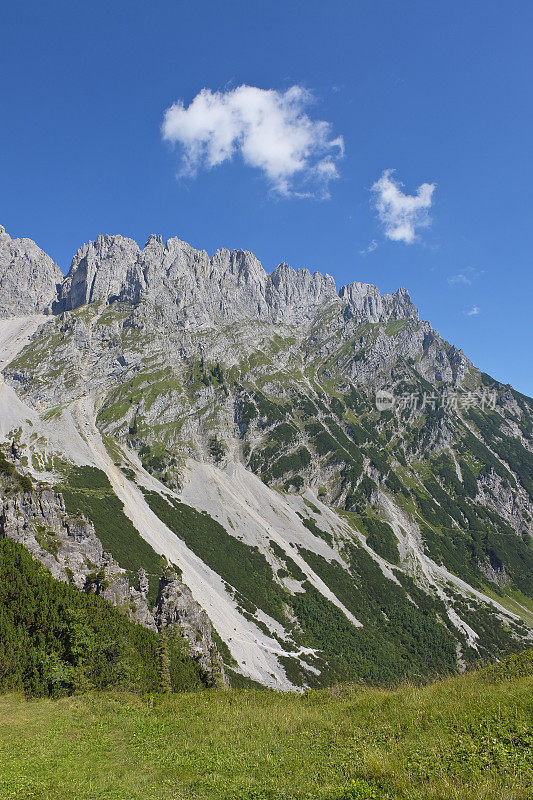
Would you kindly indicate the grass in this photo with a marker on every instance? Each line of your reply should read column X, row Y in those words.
column 394, row 327
column 464, row 737
column 514, row 601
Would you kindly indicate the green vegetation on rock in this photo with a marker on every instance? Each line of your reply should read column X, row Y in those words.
column 87, row 491
column 56, row 640
column 239, row 564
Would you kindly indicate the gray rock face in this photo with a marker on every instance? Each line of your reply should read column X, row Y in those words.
column 294, row 296
column 193, row 291
column 28, row 277
column 366, row 303
column 102, row 271
column 69, row 548
column 186, row 287
column 510, row 505
column 177, row 606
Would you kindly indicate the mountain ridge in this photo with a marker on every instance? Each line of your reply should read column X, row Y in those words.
column 93, row 277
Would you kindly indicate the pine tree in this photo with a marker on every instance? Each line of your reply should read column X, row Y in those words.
column 164, row 663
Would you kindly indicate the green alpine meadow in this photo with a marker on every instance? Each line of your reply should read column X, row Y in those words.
column 464, row 736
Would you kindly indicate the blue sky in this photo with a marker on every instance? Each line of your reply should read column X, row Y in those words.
column 439, row 92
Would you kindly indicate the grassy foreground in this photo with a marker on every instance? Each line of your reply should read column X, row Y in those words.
column 464, row 737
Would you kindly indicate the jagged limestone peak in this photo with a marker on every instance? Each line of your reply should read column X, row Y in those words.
column 28, row 277
column 101, row 271
column 186, row 286
column 193, row 290
column 366, row 302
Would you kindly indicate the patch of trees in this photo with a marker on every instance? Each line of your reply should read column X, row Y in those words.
column 56, row 640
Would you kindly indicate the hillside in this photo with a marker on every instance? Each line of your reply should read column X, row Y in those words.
column 56, row 640
column 341, row 491
column 468, row 736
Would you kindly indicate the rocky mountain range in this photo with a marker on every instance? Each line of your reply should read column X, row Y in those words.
column 311, row 483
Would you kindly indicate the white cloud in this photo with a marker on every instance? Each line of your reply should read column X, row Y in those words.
column 453, row 280
column 473, row 311
column 269, row 129
column 400, row 213
column 370, row 249
column 466, row 277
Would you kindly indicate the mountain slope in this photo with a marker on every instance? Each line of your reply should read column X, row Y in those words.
column 327, row 535
column 56, row 640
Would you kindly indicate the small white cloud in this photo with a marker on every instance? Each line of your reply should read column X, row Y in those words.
column 401, row 214
column 269, row 129
column 466, row 277
column 473, row 311
column 370, row 249
column 453, row 280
